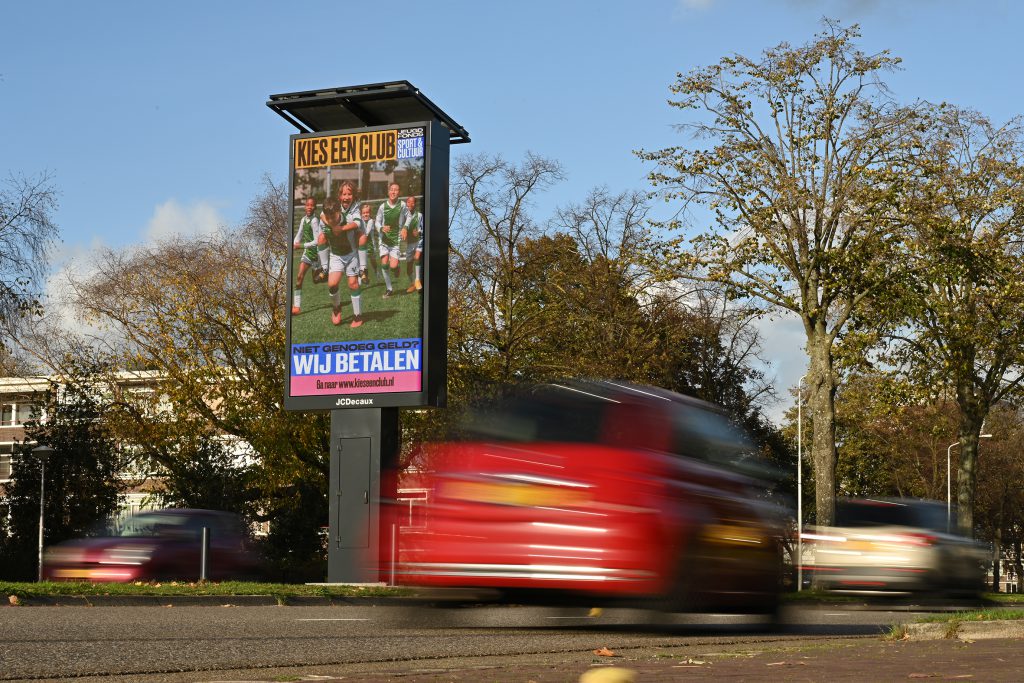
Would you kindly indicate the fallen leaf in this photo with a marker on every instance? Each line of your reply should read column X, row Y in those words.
column 594, row 612
column 775, row 664
column 604, row 652
column 923, row 676
column 13, row 599
column 688, row 660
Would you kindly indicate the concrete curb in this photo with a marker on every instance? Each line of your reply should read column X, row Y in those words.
column 966, row 630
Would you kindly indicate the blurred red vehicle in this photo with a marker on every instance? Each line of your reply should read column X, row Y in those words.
column 158, row 545
column 598, row 490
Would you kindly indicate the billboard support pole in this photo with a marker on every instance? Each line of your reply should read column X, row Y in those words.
column 364, row 442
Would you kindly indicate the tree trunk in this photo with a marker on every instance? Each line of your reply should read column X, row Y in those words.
column 967, row 473
column 822, row 387
column 973, row 409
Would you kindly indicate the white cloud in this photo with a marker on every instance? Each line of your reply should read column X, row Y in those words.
column 79, row 261
column 70, row 262
column 173, row 218
column 783, row 342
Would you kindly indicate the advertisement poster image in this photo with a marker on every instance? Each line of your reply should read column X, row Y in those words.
column 356, row 290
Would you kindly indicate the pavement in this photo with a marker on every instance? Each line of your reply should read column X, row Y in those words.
column 847, row 659
column 843, row 659
column 207, row 601
column 981, row 651
column 962, row 630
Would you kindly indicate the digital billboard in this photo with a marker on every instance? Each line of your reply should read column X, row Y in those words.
column 361, row 209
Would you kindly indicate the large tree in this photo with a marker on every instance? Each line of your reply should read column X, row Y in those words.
column 27, row 230
column 999, row 500
column 583, row 293
column 493, row 314
column 960, row 328
column 201, row 319
column 83, row 474
column 789, row 159
column 892, row 439
column 206, row 316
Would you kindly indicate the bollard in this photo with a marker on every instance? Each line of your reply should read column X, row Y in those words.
column 394, row 551
column 204, row 554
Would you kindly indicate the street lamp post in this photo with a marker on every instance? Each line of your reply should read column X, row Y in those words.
column 949, row 482
column 800, row 485
column 41, row 452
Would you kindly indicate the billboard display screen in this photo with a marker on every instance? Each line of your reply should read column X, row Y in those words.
column 360, row 232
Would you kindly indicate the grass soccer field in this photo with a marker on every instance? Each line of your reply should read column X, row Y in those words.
column 398, row 317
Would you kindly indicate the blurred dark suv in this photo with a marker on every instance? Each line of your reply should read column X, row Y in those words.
column 157, row 545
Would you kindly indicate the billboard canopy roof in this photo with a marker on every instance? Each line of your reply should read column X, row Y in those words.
column 355, row 106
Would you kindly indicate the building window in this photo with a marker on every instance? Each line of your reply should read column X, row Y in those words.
column 15, row 414
column 6, row 451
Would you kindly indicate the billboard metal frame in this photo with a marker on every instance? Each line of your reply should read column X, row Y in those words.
column 374, row 104
column 435, row 283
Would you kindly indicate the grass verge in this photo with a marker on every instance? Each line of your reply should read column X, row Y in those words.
column 896, row 632
column 282, row 591
column 1008, row 598
column 994, row 614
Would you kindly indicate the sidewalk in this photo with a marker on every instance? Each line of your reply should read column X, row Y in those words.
column 845, row 659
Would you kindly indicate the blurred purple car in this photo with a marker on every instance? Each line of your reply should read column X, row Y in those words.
column 157, row 545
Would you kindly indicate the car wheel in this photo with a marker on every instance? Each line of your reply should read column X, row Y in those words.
column 688, row 591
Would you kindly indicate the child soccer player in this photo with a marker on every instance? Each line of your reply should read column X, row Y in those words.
column 314, row 254
column 413, row 232
column 390, row 216
column 340, row 231
column 366, row 234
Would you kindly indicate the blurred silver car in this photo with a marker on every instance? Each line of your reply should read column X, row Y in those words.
column 894, row 546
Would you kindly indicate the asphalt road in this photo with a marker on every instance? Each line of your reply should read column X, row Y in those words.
column 294, row 643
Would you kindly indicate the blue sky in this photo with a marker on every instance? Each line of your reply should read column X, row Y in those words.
column 151, row 116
